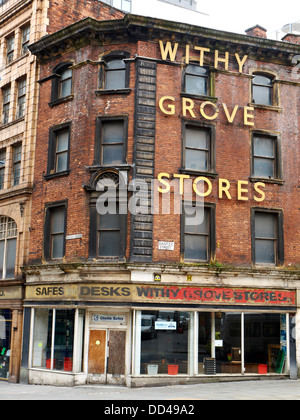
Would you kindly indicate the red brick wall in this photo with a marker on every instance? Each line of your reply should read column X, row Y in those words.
column 65, row 12
column 233, row 153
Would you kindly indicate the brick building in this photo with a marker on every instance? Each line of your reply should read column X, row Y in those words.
column 138, row 294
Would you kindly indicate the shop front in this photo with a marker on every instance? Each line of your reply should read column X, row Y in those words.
column 11, row 320
column 137, row 334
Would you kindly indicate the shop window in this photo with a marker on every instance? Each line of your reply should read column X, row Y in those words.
column 16, row 166
column 6, row 91
column 5, row 342
column 21, row 98
column 198, row 148
column 262, row 89
column 199, row 237
column 55, row 231
column 2, row 167
column 61, row 82
column 267, row 237
column 8, row 246
column 53, row 339
column 266, row 157
column 58, row 152
column 114, row 72
column 10, row 48
column 165, row 342
column 196, row 80
column 111, row 135
column 25, row 36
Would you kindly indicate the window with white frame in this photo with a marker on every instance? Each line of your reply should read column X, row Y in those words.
column 8, row 246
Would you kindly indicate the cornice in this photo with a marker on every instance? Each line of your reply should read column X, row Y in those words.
column 133, row 27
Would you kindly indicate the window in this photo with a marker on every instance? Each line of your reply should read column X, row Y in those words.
column 114, row 72
column 25, row 34
column 10, row 46
column 65, row 86
column 110, row 141
column 53, row 339
column 196, row 80
column 110, row 235
column 58, row 153
column 8, row 246
column 55, row 231
column 198, row 148
column 107, row 231
column 2, row 167
column 16, row 169
column 262, row 89
column 266, row 156
column 199, row 239
column 6, row 104
column 267, row 237
column 21, row 98
column 124, row 5
column 61, row 82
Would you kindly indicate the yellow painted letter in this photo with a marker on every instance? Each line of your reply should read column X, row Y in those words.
column 223, row 60
column 170, row 108
column 263, row 195
column 231, row 117
column 181, row 177
column 207, row 117
column 165, row 51
column 188, row 105
column 242, row 190
column 166, row 183
column 248, row 109
column 241, row 63
column 209, row 189
column 202, row 51
column 224, row 188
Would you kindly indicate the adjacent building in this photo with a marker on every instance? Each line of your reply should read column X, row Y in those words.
column 21, row 23
column 165, row 205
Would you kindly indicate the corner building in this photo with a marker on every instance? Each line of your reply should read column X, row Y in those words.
column 152, row 296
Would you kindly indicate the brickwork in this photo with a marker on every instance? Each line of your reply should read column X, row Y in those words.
column 233, row 149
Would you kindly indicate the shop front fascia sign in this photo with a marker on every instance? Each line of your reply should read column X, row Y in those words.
column 11, row 293
column 134, row 293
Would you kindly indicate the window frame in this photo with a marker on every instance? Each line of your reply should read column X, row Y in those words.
column 98, row 158
column 211, row 239
column 10, row 48
column 276, row 138
column 95, row 225
column 6, row 100
column 272, row 78
column 47, row 248
column 211, row 151
column 56, row 97
column 114, row 56
column 52, row 150
column 21, row 99
column 5, row 239
column 15, row 164
column 25, row 38
column 2, row 168
column 207, row 77
column 279, row 249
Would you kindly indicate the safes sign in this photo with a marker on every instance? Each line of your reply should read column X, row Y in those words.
column 162, row 294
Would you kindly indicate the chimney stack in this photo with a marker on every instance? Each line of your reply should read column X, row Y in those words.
column 257, row 31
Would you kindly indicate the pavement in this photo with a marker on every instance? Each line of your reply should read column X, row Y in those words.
column 283, row 389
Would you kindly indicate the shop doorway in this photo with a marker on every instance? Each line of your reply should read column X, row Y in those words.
column 107, row 356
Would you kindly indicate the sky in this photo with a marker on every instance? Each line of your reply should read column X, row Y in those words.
column 238, row 15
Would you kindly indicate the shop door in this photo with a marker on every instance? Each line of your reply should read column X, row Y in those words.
column 116, row 358
column 107, row 356
column 97, row 353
